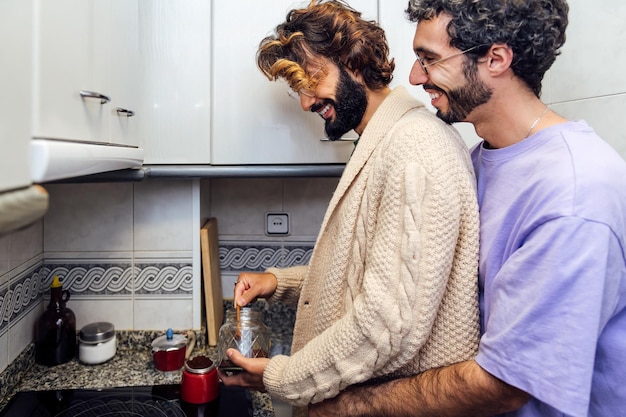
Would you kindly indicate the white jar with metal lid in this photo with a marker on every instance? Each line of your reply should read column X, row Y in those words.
column 96, row 343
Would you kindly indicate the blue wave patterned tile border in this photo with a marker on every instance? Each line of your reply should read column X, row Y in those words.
column 164, row 279
column 91, row 279
column 121, row 279
column 20, row 297
column 259, row 257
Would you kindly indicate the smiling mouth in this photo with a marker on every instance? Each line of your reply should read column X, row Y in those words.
column 324, row 110
column 433, row 92
column 434, row 95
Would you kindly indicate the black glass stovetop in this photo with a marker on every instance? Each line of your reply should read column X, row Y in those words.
column 146, row 401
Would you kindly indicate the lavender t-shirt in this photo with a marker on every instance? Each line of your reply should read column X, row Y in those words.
column 553, row 271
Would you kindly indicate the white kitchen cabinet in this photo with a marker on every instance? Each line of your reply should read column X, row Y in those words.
column 125, row 72
column 16, row 37
column 86, row 59
column 175, row 44
column 254, row 121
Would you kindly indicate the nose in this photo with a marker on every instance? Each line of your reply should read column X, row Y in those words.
column 306, row 102
column 417, row 76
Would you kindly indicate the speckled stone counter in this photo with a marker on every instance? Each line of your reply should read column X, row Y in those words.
column 132, row 365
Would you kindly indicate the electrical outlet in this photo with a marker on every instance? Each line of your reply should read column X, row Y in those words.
column 277, row 224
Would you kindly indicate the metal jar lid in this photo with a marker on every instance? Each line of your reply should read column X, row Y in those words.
column 169, row 342
column 98, row 332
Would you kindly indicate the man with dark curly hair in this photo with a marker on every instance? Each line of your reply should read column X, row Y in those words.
column 391, row 286
column 552, row 197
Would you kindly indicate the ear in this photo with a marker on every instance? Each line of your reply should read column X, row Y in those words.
column 499, row 58
column 356, row 74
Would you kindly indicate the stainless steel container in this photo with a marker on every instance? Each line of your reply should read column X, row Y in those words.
column 96, row 343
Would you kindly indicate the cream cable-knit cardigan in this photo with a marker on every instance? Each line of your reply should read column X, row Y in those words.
column 391, row 288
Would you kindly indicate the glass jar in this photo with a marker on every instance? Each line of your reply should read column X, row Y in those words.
column 249, row 335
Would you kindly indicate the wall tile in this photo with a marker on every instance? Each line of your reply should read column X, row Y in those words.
column 92, row 277
column 205, row 200
column 106, row 289
column 306, row 201
column 26, row 244
column 109, row 283
column 591, row 63
column 4, row 351
column 5, row 305
column 21, row 333
column 20, row 290
column 21, row 294
column 116, row 310
column 604, row 114
column 168, row 277
column 163, row 216
column 89, row 217
column 21, row 305
column 240, row 205
column 160, row 314
column 5, row 258
column 546, row 87
column 239, row 256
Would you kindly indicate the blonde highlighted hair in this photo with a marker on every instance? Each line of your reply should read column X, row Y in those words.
column 329, row 30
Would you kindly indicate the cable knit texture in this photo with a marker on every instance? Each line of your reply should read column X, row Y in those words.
column 391, row 288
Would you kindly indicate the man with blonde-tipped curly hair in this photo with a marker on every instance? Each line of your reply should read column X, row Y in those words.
column 391, row 287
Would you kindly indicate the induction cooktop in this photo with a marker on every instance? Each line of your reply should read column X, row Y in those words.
column 144, row 401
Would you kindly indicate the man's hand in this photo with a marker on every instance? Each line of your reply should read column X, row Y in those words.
column 251, row 285
column 252, row 375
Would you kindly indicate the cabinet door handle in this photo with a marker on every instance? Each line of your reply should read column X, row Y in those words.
column 92, row 94
column 124, row 112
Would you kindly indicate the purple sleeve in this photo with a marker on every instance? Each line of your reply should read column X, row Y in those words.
column 544, row 315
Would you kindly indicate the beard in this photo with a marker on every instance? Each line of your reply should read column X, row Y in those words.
column 463, row 100
column 350, row 104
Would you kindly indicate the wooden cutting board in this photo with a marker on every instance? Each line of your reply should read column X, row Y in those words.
column 211, row 279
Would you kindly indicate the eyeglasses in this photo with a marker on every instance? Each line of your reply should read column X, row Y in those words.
column 425, row 65
column 308, row 91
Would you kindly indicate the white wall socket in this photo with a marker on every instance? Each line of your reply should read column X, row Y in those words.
column 277, row 224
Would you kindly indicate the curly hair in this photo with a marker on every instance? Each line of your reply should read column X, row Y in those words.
column 534, row 29
column 331, row 30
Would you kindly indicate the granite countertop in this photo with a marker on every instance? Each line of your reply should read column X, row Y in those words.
column 131, row 366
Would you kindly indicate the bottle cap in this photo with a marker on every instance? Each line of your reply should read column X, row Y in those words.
column 56, row 283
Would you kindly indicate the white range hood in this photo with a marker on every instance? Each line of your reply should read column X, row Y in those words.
column 52, row 160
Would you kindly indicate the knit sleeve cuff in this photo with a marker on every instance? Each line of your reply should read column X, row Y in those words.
column 289, row 284
column 274, row 381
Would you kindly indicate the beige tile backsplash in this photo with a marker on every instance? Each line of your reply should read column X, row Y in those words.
column 128, row 251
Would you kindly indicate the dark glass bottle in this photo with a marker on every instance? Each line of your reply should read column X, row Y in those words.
column 55, row 339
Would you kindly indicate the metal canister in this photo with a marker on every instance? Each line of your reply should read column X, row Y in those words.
column 97, row 342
